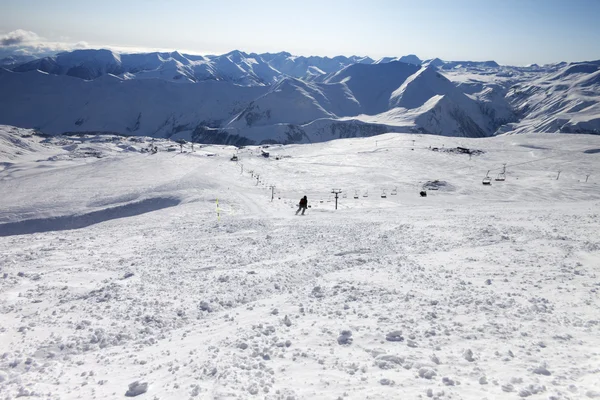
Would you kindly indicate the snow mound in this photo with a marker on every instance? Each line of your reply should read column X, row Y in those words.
column 18, row 143
column 438, row 185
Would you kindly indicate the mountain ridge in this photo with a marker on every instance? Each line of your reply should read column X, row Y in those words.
column 242, row 97
column 91, row 63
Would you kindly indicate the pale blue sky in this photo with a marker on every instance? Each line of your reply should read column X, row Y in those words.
column 514, row 32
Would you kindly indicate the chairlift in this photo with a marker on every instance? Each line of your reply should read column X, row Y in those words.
column 487, row 180
column 394, row 192
column 502, row 175
column 383, row 195
column 356, row 194
column 234, row 158
column 366, row 194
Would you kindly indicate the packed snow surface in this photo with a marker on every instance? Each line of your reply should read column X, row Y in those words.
column 173, row 275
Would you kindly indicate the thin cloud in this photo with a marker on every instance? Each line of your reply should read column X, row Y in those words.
column 26, row 43
column 17, row 37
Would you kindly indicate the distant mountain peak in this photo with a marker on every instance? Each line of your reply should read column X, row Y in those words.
column 237, row 54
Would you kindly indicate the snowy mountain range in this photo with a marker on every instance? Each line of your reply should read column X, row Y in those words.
column 239, row 98
column 236, row 67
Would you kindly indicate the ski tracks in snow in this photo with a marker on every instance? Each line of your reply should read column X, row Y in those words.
column 249, row 301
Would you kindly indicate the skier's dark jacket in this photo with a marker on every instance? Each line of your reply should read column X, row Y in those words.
column 303, row 202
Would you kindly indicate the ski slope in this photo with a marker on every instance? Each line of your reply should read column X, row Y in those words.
column 178, row 271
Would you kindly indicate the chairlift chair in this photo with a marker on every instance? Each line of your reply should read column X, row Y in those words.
column 383, row 195
column 487, row 180
column 394, row 191
column 366, row 194
column 356, row 194
column 501, row 177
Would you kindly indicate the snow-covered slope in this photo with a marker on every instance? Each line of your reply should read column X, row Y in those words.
column 469, row 64
column 253, row 114
column 564, row 101
column 18, row 143
column 409, row 59
column 236, row 67
column 329, row 98
column 177, row 271
column 14, row 60
column 372, row 85
column 300, row 67
column 84, row 64
column 445, row 109
column 58, row 103
column 423, row 101
column 293, row 101
column 243, row 69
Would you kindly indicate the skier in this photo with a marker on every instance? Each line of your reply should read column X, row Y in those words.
column 302, row 205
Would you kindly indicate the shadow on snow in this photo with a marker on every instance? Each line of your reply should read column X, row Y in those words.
column 69, row 222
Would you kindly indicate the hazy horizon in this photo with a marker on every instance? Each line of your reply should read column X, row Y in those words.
column 511, row 32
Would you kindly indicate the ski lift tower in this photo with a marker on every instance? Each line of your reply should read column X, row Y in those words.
column 336, row 192
column 272, row 187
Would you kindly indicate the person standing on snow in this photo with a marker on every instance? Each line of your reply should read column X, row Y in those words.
column 302, row 205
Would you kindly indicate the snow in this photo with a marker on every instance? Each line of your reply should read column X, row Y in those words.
column 236, row 66
column 293, row 101
column 563, row 101
column 147, row 107
column 291, row 110
column 208, row 289
column 421, row 86
column 372, row 85
column 240, row 98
